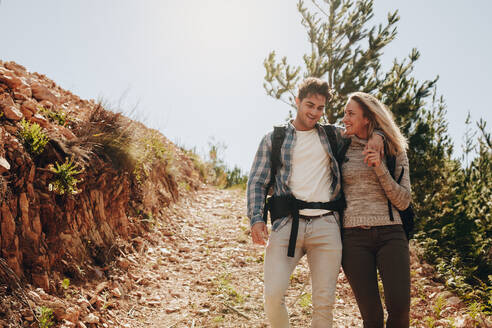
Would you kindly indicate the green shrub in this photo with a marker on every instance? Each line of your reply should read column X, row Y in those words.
column 457, row 237
column 148, row 150
column 58, row 116
column 65, row 181
column 45, row 317
column 223, row 177
column 65, row 283
column 236, row 178
column 33, row 137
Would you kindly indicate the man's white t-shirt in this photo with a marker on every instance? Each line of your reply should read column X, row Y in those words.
column 311, row 175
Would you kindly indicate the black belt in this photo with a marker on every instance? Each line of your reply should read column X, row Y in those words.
column 282, row 206
column 310, row 217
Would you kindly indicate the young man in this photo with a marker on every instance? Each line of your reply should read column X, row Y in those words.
column 308, row 173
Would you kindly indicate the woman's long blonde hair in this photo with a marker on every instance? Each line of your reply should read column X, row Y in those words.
column 380, row 118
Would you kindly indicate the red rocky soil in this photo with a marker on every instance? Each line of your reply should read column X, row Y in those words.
column 198, row 268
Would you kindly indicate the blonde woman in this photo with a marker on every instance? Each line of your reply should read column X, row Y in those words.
column 373, row 240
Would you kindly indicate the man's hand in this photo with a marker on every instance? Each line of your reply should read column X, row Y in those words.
column 259, row 233
column 376, row 142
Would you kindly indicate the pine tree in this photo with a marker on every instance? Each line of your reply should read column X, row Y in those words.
column 452, row 203
column 347, row 53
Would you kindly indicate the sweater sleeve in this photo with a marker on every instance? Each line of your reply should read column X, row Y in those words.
column 399, row 194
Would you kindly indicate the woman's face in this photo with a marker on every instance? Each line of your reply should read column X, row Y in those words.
column 354, row 120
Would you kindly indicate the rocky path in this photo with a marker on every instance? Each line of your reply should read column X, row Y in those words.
column 203, row 271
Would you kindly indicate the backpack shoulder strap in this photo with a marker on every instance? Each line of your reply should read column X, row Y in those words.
column 339, row 152
column 332, row 138
column 278, row 137
column 391, row 163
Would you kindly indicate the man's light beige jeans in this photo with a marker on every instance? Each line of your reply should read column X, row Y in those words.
column 320, row 240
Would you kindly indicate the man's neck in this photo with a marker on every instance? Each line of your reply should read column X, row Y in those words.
column 300, row 127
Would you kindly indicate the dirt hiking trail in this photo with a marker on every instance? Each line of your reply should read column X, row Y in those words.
column 199, row 268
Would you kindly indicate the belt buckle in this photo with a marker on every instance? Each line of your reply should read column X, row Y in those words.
column 327, row 213
column 365, row 227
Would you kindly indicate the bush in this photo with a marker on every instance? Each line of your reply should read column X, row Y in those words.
column 110, row 136
column 457, row 235
column 65, row 181
column 33, row 137
column 213, row 170
column 236, row 178
column 148, row 150
column 45, row 317
column 58, row 116
column 223, row 176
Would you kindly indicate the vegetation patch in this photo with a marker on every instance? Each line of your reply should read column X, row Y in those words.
column 33, row 138
column 59, row 116
column 65, row 180
column 45, row 317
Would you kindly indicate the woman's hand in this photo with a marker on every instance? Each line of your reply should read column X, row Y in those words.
column 372, row 158
column 376, row 142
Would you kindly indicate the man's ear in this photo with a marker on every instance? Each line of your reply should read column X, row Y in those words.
column 298, row 102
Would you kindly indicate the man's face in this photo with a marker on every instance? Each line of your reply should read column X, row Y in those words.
column 309, row 111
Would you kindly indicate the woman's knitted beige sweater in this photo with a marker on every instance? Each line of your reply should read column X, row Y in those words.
column 367, row 189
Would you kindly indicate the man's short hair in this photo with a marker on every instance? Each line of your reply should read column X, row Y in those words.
column 314, row 85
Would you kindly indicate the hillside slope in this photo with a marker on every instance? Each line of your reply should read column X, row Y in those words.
column 76, row 182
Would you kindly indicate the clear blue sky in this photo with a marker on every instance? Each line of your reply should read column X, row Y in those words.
column 195, row 67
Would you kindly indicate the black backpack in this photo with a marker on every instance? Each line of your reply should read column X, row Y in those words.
column 407, row 216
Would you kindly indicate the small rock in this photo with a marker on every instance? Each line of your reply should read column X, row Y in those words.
column 172, row 310
column 4, row 165
column 67, row 324
column 40, row 93
column 97, row 302
column 10, row 129
column 35, row 296
column 7, row 77
column 116, row 292
column 100, row 287
column 164, row 251
column 184, row 249
column 460, row 322
column 123, row 263
column 39, row 119
column 453, row 301
column 446, row 294
column 10, row 111
column 17, row 68
column 72, row 315
column 91, row 318
column 29, row 105
column 46, row 104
